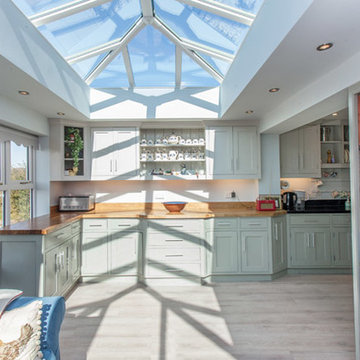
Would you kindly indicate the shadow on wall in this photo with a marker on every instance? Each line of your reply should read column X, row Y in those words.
column 155, row 103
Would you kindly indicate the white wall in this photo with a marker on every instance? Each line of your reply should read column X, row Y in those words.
column 27, row 49
column 166, row 103
column 22, row 118
column 158, row 191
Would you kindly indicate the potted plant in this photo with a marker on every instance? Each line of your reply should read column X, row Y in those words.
column 75, row 144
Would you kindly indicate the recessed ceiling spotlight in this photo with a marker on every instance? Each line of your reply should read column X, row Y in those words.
column 23, row 92
column 274, row 90
column 335, row 114
column 324, row 47
column 60, row 113
column 249, row 112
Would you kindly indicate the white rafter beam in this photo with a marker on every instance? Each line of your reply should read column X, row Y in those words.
column 128, row 67
column 222, row 10
column 177, row 41
column 178, row 65
column 114, row 53
column 62, row 11
column 222, row 55
column 147, row 10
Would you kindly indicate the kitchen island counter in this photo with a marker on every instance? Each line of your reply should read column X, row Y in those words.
column 49, row 223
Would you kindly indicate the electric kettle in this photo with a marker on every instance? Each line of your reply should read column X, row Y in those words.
column 289, row 200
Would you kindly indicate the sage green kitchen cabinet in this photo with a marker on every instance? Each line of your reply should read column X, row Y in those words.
column 300, row 153
column 94, row 253
column 310, row 247
column 125, row 253
column 233, row 152
column 254, row 252
column 341, row 246
column 224, row 251
column 279, row 243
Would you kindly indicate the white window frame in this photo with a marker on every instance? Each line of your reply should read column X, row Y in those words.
column 7, row 185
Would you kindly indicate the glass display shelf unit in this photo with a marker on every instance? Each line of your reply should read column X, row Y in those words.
column 73, row 151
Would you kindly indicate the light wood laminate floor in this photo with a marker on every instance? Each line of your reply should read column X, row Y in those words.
column 297, row 317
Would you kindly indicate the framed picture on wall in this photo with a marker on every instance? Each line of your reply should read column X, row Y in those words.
column 277, row 198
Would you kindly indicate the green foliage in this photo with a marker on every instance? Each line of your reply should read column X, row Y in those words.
column 75, row 144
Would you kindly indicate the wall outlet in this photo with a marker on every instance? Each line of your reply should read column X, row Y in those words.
column 233, row 194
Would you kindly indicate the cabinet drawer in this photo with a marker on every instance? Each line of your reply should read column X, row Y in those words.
column 341, row 220
column 173, row 255
column 76, row 228
column 57, row 237
column 180, row 225
column 123, row 224
column 225, row 223
column 309, row 219
column 254, row 223
column 95, row 225
column 174, row 240
column 166, row 271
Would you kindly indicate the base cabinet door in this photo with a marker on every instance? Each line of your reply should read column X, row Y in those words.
column 125, row 253
column 341, row 246
column 224, row 259
column 279, row 249
column 310, row 247
column 74, row 266
column 254, row 252
column 51, row 270
column 94, row 254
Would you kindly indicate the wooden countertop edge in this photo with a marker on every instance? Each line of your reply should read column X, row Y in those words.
column 37, row 229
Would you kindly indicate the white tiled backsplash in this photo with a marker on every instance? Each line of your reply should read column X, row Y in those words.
column 158, row 191
column 313, row 187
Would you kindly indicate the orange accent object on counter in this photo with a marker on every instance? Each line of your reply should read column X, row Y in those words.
column 265, row 205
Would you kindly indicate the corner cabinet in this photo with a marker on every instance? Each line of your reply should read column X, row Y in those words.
column 232, row 152
column 114, row 153
column 61, row 152
column 300, row 153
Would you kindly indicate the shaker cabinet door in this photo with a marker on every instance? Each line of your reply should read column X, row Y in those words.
column 289, row 154
column 310, row 151
column 246, row 151
column 219, row 150
column 102, row 153
column 94, row 254
column 341, row 246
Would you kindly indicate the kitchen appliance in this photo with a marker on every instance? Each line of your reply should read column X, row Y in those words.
column 289, row 200
column 300, row 202
column 265, row 205
column 76, row 203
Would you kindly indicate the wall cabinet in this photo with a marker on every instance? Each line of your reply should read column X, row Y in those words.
column 114, row 153
column 232, row 152
column 319, row 241
column 62, row 161
column 300, row 152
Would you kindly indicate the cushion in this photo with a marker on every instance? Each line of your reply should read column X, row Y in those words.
column 7, row 296
column 20, row 331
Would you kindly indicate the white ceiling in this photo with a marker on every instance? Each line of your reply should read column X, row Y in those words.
column 295, row 63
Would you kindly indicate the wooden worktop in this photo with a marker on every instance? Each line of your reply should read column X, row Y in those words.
column 48, row 223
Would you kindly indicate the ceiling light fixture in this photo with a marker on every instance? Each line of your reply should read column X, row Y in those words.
column 60, row 113
column 274, row 90
column 249, row 112
column 335, row 114
column 325, row 46
column 23, row 92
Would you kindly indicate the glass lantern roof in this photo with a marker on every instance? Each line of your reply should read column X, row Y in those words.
column 145, row 43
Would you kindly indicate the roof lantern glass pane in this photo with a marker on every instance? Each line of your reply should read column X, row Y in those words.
column 200, row 26
column 92, row 27
column 113, row 76
column 31, row 7
column 251, row 6
column 193, row 74
column 219, row 65
column 152, row 58
column 84, row 67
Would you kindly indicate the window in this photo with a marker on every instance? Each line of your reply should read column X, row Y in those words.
column 16, row 178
